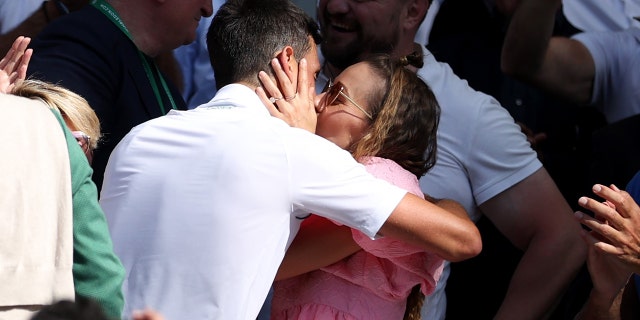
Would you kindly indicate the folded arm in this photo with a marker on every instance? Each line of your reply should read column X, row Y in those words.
column 530, row 53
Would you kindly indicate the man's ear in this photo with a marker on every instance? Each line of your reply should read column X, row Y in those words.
column 414, row 13
column 288, row 62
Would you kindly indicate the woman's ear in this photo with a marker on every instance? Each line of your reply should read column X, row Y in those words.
column 288, row 62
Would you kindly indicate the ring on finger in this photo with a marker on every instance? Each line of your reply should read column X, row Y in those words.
column 291, row 97
column 274, row 99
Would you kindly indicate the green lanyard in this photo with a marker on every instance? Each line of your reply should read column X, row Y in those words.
column 111, row 13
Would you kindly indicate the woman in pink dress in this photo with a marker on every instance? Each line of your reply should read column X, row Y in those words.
column 387, row 118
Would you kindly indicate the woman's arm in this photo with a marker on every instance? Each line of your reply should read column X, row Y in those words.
column 319, row 243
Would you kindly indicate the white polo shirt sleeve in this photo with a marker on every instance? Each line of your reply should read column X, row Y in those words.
column 616, row 59
column 481, row 150
column 327, row 181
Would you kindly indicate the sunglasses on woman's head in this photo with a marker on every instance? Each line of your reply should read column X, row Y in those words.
column 333, row 90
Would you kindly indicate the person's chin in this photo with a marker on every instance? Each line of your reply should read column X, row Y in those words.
column 338, row 43
column 341, row 55
column 189, row 40
column 340, row 36
column 192, row 33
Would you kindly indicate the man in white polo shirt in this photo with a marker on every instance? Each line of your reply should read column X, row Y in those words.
column 202, row 204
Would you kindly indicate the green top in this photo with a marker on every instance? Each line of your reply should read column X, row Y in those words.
column 97, row 272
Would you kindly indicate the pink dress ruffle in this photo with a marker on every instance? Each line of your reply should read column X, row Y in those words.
column 373, row 283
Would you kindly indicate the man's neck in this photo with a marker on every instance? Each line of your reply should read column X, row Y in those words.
column 332, row 71
column 139, row 22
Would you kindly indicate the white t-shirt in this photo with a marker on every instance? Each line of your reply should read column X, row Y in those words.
column 602, row 15
column 616, row 85
column 481, row 153
column 202, row 204
column 13, row 12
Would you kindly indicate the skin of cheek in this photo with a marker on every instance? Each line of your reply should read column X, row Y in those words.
column 340, row 127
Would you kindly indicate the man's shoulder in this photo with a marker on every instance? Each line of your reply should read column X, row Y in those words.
column 450, row 90
column 84, row 28
column 88, row 17
column 21, row 105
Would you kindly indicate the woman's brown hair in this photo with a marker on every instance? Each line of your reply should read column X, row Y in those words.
column 405, row 116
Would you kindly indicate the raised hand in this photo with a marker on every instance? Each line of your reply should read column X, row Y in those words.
column 614, row 249
column 615, row 227
column 15, row 63
column 291, row 101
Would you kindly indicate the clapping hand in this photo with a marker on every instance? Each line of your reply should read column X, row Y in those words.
column 614, row 239
column 13, row 67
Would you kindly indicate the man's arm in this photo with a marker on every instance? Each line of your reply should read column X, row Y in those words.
column 428, row 226
column 600, row 307
column 534, row 216
column 31, row 26
column 530, row 53
column 321, row 242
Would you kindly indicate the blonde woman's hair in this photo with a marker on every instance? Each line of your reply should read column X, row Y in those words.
column 75, row 110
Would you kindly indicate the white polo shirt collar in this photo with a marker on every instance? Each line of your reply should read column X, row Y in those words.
column 236, row 95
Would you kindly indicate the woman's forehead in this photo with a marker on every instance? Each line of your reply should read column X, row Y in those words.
column 357, row 77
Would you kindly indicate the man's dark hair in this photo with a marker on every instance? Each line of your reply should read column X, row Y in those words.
column 245, row 35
